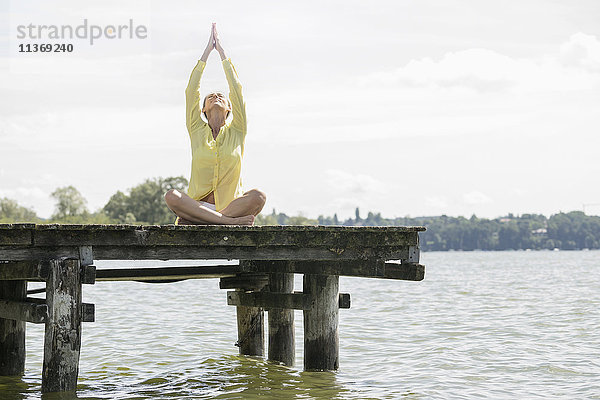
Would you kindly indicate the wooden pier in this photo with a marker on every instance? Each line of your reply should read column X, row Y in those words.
column 63, row 257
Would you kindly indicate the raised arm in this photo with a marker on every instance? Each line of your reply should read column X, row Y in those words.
column 192, row 95
column 238, row 107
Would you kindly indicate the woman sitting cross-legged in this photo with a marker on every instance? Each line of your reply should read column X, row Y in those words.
column 215, row 191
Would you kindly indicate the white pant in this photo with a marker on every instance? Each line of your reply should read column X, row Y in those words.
column 208, row 205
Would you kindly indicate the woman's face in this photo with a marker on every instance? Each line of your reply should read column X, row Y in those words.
column 216, row 101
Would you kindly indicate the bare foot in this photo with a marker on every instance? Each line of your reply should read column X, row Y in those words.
column 246, row 220
column 183, row 221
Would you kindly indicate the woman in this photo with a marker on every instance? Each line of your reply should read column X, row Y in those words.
column 214, row 194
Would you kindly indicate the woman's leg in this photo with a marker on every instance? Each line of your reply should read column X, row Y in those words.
column 189, row 209
column 251, row 203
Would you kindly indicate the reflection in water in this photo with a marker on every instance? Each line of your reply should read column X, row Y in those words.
column 13, row 388
column 256, row 377
column 228, row 377
column 60, row 396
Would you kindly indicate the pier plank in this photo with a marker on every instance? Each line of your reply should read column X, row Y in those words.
column 226, row 236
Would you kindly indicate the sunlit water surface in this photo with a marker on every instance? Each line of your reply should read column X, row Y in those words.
column 481, row 325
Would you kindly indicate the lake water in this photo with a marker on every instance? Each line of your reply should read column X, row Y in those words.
column 481, row 325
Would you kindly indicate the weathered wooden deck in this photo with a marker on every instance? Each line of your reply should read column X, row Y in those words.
column 63, row 257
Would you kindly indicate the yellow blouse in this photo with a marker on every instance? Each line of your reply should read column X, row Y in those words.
column 216, row 164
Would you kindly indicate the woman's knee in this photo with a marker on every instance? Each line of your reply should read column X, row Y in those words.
column 258, row 196
column 172, row 197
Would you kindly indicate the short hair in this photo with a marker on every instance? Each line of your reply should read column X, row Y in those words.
column 204, row 102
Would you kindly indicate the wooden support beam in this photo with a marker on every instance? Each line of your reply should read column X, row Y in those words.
column 321, row 339
column 166, row 273
column 254, row 282
column 86, row 255
column 269, row 300
column 62, row 340
column 355, row 267
column 88, row 312
column 87, row 309
column 26, row 311
column 16, row 234
column 12, row 332
column 88, row 274
column 344, row 300
column 282, row 338
column 361, row 268
column 37, row 271
column 158, row 252
column 24, row 270
column 413, row 254
column 36, row 291
column 406, row 272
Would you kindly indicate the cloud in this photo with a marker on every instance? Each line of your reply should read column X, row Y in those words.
column 44, row 178
column 31, row 197
column 24, row 192
column 516, row 191
column 476, row 197
column 357, row 184
column 480, row 69
column 345, row 204
column 581, row 51
column 574, row 66
column 436, row 201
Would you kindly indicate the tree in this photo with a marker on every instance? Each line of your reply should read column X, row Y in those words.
column 69, row 203
column 118, row 206
column 11, row 211
column 145, row 202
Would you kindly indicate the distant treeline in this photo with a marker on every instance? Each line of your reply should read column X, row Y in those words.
column 566, row 231
column 144, row 204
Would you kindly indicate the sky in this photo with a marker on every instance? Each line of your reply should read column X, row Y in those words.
column 408, row 108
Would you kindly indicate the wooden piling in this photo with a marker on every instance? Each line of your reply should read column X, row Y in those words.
column 251, row 330
column 12, row 332
column 281, row 322
column 62, row 340
column 321, row 340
